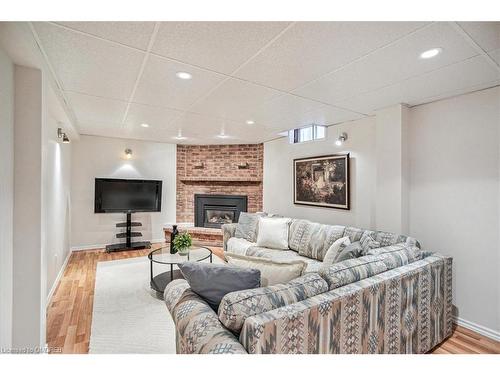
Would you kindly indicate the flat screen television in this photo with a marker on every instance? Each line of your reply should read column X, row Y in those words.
column 119, row 195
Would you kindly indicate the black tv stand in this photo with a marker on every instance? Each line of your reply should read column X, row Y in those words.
column 128, row 234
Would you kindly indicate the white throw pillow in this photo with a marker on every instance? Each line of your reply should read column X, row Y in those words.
column 273, row 233
column 333, row 250
column 272, row 272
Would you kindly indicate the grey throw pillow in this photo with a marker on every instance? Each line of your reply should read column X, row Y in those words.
column 213, row 281
column 368, row 242
column 247, row 226
column 351, row 251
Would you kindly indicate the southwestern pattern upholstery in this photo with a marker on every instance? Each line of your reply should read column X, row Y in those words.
column 236, row 307
column 378, row 261
column 312, row 240
column 351, row 270
column 198, row 329
column 404, row 310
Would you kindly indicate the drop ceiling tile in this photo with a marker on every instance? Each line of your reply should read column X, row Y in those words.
column 96, row 110
column 160, row 86
column 495, row 55
column 310, row 49
column 221, row 46
column 235, row 99
column 155, row 117
column 450, row 79
column 106, row 130
column 486, row 34
column 391, row 64
column 88, row 65
column 133, row 34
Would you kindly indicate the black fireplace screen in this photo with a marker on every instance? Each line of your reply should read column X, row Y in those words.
column 212, row 211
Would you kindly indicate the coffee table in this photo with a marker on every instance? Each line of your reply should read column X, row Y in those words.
column 163, row 256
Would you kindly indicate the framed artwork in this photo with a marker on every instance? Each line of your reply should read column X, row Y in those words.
column 322, row 181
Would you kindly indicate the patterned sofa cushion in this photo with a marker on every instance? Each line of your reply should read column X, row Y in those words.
column 236, row 307
column 198, row 329
column 313, row 265
column 352, row 270
column 312, row 239
column 397, row 255
column 248, row 225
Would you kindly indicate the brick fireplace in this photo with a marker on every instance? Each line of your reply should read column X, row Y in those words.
column 221, row 170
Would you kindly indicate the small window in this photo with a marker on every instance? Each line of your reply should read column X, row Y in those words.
column 306, row 134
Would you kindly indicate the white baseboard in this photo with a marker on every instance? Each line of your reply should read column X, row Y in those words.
column 58, row 278
column 102, row 246
column 487, row 332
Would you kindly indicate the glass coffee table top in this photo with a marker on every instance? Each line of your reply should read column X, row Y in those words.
column 163, row 256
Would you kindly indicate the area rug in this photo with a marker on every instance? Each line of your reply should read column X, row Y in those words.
column 127, row 316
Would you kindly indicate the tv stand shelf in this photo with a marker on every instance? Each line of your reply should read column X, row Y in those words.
column 128, row 235
column 131, row 234
column 132, row 224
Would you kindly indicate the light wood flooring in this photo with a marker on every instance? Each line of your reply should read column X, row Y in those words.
column 69, row 314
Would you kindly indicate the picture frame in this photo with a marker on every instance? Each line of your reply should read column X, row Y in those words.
column 322, row 181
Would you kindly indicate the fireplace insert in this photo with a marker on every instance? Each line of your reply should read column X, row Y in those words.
column 211, row 211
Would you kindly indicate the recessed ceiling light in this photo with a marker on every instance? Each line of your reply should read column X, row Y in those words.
column 250, row 122
column 183, row 75
column 180, row 138
column 430, row 53
column 222, row 135
column 145, row 125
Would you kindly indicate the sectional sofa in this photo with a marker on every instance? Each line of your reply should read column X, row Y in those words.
column 395, row 299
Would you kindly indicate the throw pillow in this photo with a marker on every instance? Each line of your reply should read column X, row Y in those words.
column 354, row 250
column 367, row 243
column 334, row 249
column 247, row 226
column 273, row 233
column 213, row 281
column 272, row 272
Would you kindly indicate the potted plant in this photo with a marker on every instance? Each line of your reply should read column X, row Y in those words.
column 182, row 243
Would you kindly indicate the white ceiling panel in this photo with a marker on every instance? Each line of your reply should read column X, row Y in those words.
column 204, row 129
column 235, row 99
column 278, row 74
column 495, row 55
column 160, row 86
column 155, row 117
column 486, row 34
column 89, row 65
column 449, row 79
column 221, row 46
column 133, row 34
column 392, row 64
column 96, row 110
column 310, row 49
column 288, row 111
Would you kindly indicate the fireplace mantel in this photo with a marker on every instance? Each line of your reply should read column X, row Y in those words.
column 188, row 179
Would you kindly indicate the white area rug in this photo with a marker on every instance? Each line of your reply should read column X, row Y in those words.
column 127, row 316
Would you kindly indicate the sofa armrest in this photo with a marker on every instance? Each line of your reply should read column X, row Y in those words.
column 197, row 326
column 228, row 231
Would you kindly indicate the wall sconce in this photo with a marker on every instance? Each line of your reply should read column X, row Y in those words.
column 341, row 139
column 61, row 134
column 128, row 153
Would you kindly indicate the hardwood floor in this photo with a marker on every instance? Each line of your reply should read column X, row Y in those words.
column 69, row 315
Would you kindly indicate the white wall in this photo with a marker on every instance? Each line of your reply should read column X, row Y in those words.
column 104, row 157
column 6, row 196
column 278, row 174
column 56, row 207
column 454, row 195
column 28, row 271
